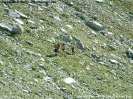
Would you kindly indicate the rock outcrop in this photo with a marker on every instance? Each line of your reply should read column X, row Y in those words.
column 95, row 25
column 12, row 27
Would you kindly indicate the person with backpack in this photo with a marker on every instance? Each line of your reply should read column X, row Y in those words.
column 63, row 48
column 56, row 48
column 72, row 48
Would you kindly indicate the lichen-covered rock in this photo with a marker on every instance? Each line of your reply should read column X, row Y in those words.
column 57, row 18
column 15, row 14
column 12, row 27
column 19, row 21
column 80, row 44
column 95, row 25
column 65, row 39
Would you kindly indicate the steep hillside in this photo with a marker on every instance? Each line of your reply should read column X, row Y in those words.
column 102, row 66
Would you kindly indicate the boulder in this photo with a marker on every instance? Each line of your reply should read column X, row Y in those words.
column 114, row 61
column 31, row 22
column 19, row 21
column 69, row 26
column 71, row 4
column 16, row 14
column 12, row 14
column 130, row 53
column 65, row 39
column 57, row 18
column 12, row 27
column 69, row 80
column 80, row 44
column 21, row 15
column 95, row 25
column 63, row 30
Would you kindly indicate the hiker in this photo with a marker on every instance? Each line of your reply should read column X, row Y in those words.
column 56, row 47
column 63, row 48
column 72, row 47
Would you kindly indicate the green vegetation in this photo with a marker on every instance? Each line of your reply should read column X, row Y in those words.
column 33, row 72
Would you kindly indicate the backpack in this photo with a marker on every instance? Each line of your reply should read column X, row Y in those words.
column 58, row 46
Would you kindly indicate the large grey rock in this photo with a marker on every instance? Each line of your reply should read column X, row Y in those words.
column 65, row 39
column 80, row 44
column 12, row 27
column 16, row 14
column 12, row 14
column 95, row 25
column 21, row 15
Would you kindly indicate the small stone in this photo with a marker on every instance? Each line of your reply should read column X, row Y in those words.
column 18, row 52
column 42, row 59
column 114, row 61
column 63, row 30
column 42, row 71
column 47, row 78
column 26, row 91
column 69, row 26
column 31, row 22
column 57, row 18
column 42, row 66
column 100, row 1
column 1, row 62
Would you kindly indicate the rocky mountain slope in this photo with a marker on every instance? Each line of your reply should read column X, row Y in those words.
column 102, row 67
